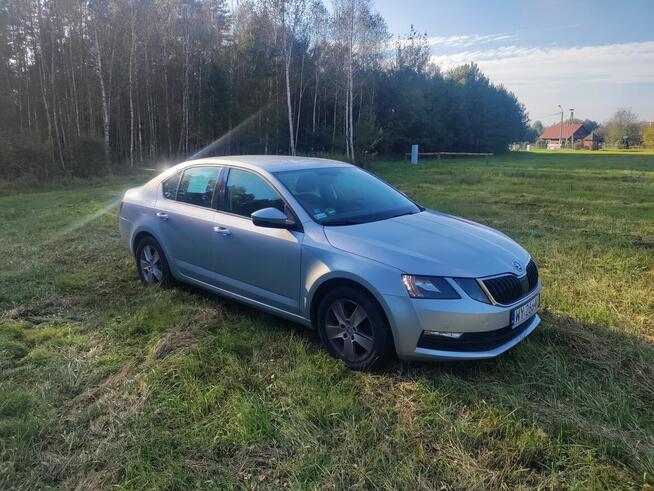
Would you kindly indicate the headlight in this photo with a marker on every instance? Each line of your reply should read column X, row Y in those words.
column 472, row 288
column 429, row 287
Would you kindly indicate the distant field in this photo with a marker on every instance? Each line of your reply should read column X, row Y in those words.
column 104, row 382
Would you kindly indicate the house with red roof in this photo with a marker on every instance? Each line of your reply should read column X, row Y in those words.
column 568, row 134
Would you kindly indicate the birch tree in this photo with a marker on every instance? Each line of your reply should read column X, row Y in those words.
column 291, row 21
column 362, row 33
column 85, row 83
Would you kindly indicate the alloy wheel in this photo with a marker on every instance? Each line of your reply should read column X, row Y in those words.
column 349, row 330
column 150, row 263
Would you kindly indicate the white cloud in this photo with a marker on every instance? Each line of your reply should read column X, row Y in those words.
column 467, row 40
column 463, row 40
column 593, row 79
column 514, row 65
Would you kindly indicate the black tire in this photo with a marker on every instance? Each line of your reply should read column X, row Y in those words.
column 370, row 340
column 150, row 277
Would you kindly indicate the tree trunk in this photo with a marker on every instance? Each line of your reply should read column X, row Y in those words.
column 131, row 88
column 265, row 148
column 103, row 94
column 167, row 103
column 315, row 99
column 184, row 133
column 299, row 102
column 350, row 69
column 53, row 95
column 348, row 134
column 288, row 103
column 74, row 87
column 334, row 123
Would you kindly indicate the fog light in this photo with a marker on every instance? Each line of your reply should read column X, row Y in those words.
column 454, row 335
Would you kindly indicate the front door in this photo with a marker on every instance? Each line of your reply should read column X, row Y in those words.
column 260, row 263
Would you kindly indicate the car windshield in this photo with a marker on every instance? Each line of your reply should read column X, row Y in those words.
column 345, row 195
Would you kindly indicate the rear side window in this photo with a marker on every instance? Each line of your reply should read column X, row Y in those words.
column 169, row 187
column 246, row 193
column 197, row 186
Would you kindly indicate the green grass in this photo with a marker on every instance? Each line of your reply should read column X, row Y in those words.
column 104, row 382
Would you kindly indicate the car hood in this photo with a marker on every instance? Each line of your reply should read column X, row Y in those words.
column 432, row 243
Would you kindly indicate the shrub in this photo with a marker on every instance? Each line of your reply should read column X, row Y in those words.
column 25, row 155
column 648, row 137
column 87, row 158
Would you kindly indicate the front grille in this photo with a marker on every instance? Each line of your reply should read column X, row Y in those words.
column 509, row 288
column 474, row 341
column 532, row 274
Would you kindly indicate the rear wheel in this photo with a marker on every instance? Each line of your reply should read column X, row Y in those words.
column 353, row 327
column 151, row 264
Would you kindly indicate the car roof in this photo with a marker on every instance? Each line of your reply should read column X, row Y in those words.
column 270, row 163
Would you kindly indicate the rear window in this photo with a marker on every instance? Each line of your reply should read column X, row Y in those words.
column 197, row 186
column 169, row 186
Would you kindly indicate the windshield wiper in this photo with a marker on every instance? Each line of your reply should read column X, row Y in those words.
column 405, row 213
column 342, row 222
column 367, row 219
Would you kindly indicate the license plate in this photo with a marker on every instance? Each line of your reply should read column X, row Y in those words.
column 525, row 311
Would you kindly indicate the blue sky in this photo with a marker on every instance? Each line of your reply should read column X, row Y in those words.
column 594, row 56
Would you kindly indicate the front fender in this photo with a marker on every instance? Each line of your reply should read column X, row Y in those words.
column 321, row 266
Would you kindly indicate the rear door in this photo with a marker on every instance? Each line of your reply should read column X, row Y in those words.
column 260, row 263
column 186, row 219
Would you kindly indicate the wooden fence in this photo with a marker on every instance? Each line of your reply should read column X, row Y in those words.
column 451, row 154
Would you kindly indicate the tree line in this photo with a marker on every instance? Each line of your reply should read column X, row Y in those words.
column 89, row 85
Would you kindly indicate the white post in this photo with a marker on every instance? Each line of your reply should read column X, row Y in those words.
column 414, row 154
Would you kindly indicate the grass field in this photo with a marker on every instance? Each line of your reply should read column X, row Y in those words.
column 104, row 382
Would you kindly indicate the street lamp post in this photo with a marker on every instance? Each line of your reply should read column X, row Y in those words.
column 561, row 128
column 572, row 135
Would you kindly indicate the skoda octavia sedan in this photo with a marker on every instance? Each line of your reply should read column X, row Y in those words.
column 330, row 246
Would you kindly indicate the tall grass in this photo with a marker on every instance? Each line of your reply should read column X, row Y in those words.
column 104, row 382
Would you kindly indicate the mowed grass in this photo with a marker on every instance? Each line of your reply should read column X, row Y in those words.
column 104, row 382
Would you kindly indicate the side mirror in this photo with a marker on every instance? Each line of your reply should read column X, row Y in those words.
column 271, row 218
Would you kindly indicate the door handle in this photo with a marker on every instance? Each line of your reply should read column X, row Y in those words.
column 222, row 231
column 162, row 215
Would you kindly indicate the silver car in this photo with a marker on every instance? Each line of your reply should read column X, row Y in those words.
column 330, row 246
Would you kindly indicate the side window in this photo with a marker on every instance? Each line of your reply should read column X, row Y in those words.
column 197, row 186
column 246, row 193
column 169, row 186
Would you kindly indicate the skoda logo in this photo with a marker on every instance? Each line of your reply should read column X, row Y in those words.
column 517, row 266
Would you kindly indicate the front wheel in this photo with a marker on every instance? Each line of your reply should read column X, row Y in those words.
column 353, row 327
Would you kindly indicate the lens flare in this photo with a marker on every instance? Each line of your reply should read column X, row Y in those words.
column 205, row 152
column 216, row 144
column 87, row 219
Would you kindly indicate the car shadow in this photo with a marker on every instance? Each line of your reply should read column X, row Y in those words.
column 585, row 383
column 237, row 308
column 598, row 349
column 569, row 377
column 588, row 348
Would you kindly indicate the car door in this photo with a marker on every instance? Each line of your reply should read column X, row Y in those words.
column 260, row 263
column 187, row 218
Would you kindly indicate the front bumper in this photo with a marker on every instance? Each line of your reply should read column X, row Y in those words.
column 486, row 327
column 479, row 355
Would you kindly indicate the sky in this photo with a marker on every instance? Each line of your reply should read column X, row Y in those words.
column 593, row 56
